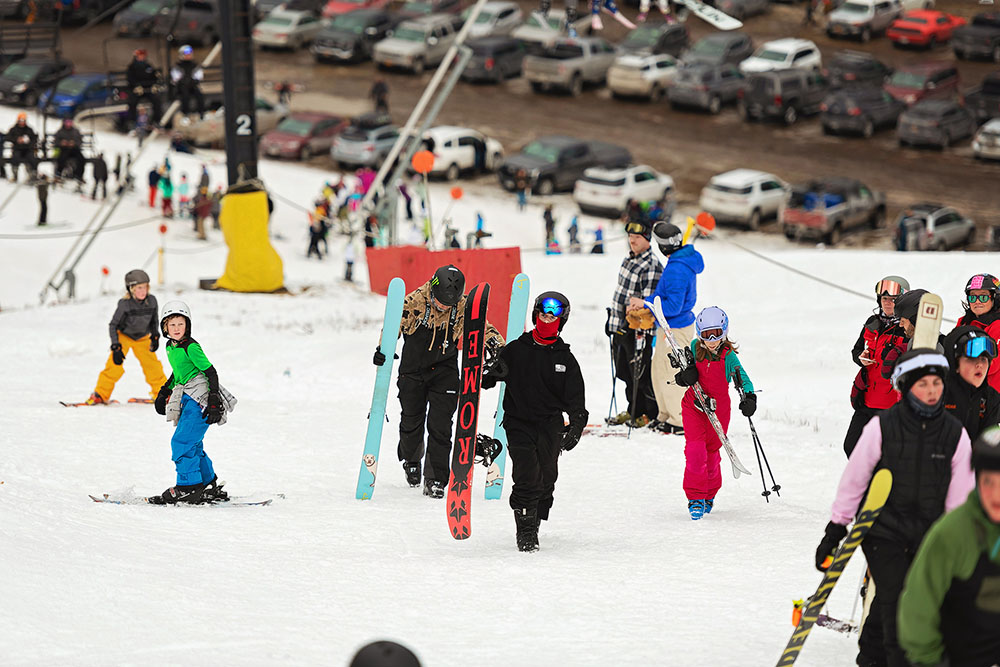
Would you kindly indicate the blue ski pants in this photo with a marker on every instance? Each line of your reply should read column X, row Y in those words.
column 187, row 448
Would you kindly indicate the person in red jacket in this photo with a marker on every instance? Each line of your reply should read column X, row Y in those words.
column 983, row 310
column 872, row 391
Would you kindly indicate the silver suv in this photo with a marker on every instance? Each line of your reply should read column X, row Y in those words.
column 862, row 18
column 418, row 43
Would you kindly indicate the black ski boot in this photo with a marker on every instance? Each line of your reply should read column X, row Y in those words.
column 527, row 529
column 191, row 494
column 214, row 493
column 412, row 471
column 433, row 488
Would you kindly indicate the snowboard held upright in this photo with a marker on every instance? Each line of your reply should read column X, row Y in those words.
column 459, row 500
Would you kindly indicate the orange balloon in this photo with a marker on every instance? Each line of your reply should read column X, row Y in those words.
column 423, row 162
column 456, row 192
column 705, row 221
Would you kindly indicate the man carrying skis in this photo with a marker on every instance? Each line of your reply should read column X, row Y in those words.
column 432, row 326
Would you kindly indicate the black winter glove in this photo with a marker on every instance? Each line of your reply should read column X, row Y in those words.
column 828, row 545
column 687, row 376
column 494, row 373
column 748, row 405
column 571, row 438
column 379, row 358
column 161, row 399
column 117, row 355
column 213, row 411
column 154, row 343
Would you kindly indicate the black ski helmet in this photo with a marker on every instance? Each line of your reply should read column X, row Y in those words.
column 915, row 364
column 135, row 277
column 172, row 308
column 969, row 341
column 668, row 237
column 985, row 281
column 541, row 305
column 448, row 285
column 908, row 304
column 891, row 286
column 986, row 450
column 384, row 654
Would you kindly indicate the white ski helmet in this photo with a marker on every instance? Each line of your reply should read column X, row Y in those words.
column 709, row 319
column 172, row 308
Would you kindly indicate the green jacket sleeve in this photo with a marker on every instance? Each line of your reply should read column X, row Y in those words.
column 197, row 357
column 733, row 365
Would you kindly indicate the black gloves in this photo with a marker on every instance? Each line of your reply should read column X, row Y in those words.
column 748, row 405
column 687, row 376
column 494, row 373
column 828, row 546
column 117, row 355
column 154, row 343
column 161, row 399
column 213, row 411
column 571, row 438
column 379, row 358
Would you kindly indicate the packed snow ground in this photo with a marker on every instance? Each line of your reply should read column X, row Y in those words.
column 623, row 576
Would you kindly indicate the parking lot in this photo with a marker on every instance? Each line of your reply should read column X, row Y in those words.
column 691, row 146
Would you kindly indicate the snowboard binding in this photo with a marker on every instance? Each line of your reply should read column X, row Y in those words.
column 487, row 449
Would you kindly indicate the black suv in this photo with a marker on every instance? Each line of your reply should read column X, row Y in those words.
column 851, row 68
column 785, row 94
column 657, row 38
column 194, row 22
column 24, row 81
column 494, row 58
column 137, row 19
column 350, row 37
column 720, row 48
column 860, row 109
column 979, row 38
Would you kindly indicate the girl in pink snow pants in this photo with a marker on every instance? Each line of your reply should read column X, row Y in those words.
column 712, row 363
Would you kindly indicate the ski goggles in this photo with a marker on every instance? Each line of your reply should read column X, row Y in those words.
column 981, row 298
column 712, row 334
column 888, row 288
column 552, row 306
column 637, row 228
column 978, row 346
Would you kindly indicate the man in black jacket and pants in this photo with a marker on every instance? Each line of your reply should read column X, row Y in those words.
column 142, row 80
column 543, row 382
column 100, row 172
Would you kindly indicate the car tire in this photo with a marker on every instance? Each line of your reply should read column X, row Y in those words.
column 452, row 173
column 30, row 99
column 877, row 219
column 304, row 154
column 576, row 85
column 941, row 246
column 418, row 66
column 742, row 110
column 714, row 105
column 536, row 87
column 959, row 54
column 866, row 35
column 656, row 94
column 833, row 236
column 931, row 43
column 789, row 232
column 545, row 187
column 828, row 130
column 753, row 222
column 945, row 141
column 790, row 116
column 996, row 53
column 868, row 129
column 971, row 238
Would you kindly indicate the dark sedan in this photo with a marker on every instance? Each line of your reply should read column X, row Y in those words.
column 861, row 110
column 720, row 48
column 137, row 19
column 351, row 37
column 23, row 82
column 855, row 68
column 706, row 87
column 935, row 123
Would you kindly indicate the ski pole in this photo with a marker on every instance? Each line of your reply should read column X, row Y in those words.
column 756, row 440
column 614, row 370
column 757, row 445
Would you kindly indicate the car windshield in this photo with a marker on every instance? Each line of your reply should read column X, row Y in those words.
column 278, row 21
column 642, row 37
column 913, row 19
column 72, row 86
column 409, row 35
column 771, row 54
column 730, row 189
column 709, row 47
column 854, row 8
column 553, row 22
column 907, row 80
column 542, row 151
column 349, row 23
column 418, row 7
column 483, row 18
column 296, row 126
column 600, row 180
column 149, row 7
column 21, row 71
column 921, row 111
column 564, row 52
column 989, row 134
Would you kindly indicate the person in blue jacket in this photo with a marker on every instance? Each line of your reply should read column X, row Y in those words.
column 678, row 291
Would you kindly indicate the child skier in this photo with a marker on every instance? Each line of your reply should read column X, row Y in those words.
column 983, row 310
column 193, row 399
column 166, row 194
column 183, row 196
column 132, row 327
column 543, row 382
column 711, row 363
column 967, row 394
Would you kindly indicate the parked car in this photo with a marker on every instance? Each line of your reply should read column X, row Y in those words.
column 979, row 38
column 741, row 9
column 83, row 11
column 335, row 8
column 862, row 18
column 720, row 48
column 569, row 64
column 364, row 143
column 984, row 100
column 986, row 143
column 18, row 9
column 417, row 43
column 785, row 94
column 211, row 130
column 461, row 149
column 302, row 134
column 285, row 29
column 829, row 207
column 706, row 87
column 137, row 19
column 930, row 226
column 935, row 122
column 657, row 37
column 923, row 27
column 787, row 53
column 24, row 81
column 497, row 17
column 494, row 59
column 75, row 93
column 537, row 35
column 351, row 37
column 554, row 163
column 861, row 110
column 912, row 83
column 642, row 75
column 417, row 8
column 192, row 22
column 746, row 196
column 603, row 191
column 849, row 68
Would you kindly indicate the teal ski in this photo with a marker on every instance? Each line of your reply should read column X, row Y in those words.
column 380, row 396
column 519, row 294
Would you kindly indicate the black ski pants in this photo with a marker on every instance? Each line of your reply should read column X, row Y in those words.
column 428, row 397
column 858, row 422
column 103, row 185
column 645, row 402
column 888, row 562
column 534, row 456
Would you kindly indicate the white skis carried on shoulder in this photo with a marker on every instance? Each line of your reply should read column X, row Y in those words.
column 678, row 356
column 927, row 327
column 720, row 20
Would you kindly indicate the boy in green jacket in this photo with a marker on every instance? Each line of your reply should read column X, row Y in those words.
column 949, row 611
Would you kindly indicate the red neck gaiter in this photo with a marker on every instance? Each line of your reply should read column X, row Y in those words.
column 545, row 333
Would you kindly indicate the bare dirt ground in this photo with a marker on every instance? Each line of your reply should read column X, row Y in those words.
column 690, row 146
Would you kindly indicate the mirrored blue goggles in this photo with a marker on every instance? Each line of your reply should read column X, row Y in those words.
column 978, row 346
column 552, row 307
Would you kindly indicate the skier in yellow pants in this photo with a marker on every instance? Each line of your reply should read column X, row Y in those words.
column 134, row 326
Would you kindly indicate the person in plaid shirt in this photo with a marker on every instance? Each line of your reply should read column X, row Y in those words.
column 637, row 279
